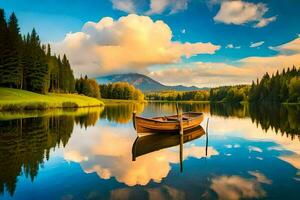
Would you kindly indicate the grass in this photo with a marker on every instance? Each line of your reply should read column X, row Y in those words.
column 15, row 99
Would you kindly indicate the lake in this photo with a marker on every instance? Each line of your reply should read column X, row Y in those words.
column 248, row 152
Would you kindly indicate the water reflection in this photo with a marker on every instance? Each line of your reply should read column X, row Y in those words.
column 237, row 187
column 283, row 119
column 249, row 145
column 25, row 144
column 109, row 155
column 229, row 110
column 121, row 113
column 151, row 143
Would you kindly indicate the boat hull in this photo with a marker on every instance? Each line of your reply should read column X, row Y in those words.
column 146, row 126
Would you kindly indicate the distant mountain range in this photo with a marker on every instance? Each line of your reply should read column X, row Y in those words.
column 143, row 82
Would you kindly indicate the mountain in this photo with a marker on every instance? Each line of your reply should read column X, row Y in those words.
column 142, row 82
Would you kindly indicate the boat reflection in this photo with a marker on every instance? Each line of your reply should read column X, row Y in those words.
column 155, row 142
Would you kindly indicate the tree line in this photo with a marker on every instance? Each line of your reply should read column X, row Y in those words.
column 236, row 93
column 201, row 95
column 120, row 90
column 27, row 64
column 88, row 87
column 279, row 87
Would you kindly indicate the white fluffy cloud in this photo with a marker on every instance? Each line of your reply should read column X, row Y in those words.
column 256, row 44
column 239, row 12
column 253, row 148
column 155, row 6
column 174, row 6
column 128, row 44
column 231, row 46
column 292, row 47
column 241, row 72
column 203, row 74
column 265, row 21
column 124, row 5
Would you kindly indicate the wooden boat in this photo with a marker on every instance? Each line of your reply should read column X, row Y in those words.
column 164, row 124
column 150, row 143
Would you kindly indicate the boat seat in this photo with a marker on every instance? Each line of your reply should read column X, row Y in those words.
column 175, row 118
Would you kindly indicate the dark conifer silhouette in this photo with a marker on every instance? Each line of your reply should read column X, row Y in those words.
column 27, row 64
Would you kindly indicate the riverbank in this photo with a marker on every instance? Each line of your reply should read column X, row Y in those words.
column 15, row 99
column 221, row 102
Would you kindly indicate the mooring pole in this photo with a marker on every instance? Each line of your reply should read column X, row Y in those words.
column 206, row 136
column 181, row 153
column 180, row 124
column 133, row 119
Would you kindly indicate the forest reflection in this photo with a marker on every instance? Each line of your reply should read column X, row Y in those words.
column 121, row 113
column 283, row 119
column 26, row 141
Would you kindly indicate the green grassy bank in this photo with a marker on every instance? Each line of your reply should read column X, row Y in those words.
column 14, row 99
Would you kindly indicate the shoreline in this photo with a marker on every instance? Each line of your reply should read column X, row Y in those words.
column 41, row 106
column 23, row 114
column 216, row 102
column 185, row 101
column 22, row 100
column 119, row 101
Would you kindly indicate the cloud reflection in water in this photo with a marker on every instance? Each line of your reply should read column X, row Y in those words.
column 107, row 151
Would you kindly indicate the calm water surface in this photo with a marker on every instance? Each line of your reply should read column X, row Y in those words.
column 253, row 152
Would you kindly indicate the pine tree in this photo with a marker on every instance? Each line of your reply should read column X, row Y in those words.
column 277, row 88
column 67, row 80
column 26, row 61
column 70, row 77
column 3, row 49
column 26, row 64
column 53, row 66
column 14, row 64
column 60, row 74
column 37, row 68
column 48, row 51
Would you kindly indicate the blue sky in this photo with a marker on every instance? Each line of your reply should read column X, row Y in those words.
column 232, row 26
